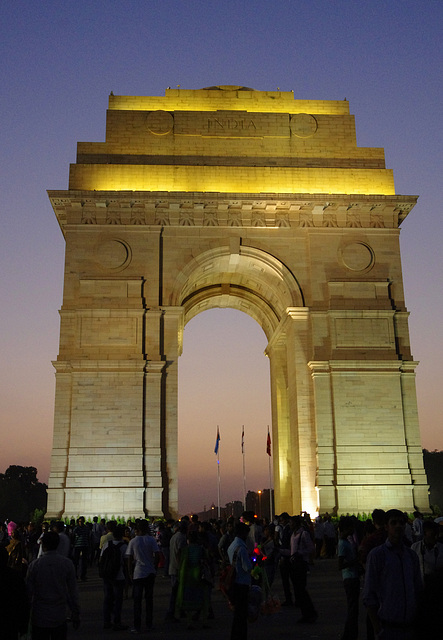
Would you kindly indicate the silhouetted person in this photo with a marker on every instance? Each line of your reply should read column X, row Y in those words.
column 349, row 567
column 238, row 556
column 114, row 580
column 142, row 557
column 285, row 554
column 52, row 587
column 302, row 548
column 81, row 538
column 14, row 605
column 430, row 556
column 393, row 583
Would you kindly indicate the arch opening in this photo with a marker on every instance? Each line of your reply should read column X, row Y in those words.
column 224, row 351
column 241, row 277
column 250, row 280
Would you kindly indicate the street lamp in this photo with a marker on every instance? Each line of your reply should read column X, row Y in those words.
column 259, row 503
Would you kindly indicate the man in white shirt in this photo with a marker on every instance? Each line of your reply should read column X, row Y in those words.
column 429, row 551
column 64, row 545
column 142, row 556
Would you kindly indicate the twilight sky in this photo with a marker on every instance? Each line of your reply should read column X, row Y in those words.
column 60, row 61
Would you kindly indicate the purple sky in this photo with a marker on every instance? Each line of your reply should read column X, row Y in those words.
column 60, row 60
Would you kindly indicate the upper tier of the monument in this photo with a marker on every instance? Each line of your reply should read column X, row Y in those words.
column 230, row 140
column 228, row 97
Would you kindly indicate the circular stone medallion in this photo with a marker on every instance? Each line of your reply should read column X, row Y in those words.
column 303, row 125
column 159, row 122
column 113, row 254
column 357, row 256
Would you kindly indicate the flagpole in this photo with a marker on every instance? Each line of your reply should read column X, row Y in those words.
column 218, row 487
column 218, row 472
column 270, row 492
column 244, row 466
column 268, row 449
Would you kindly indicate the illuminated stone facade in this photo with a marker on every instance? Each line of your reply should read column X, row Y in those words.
column 229, row 197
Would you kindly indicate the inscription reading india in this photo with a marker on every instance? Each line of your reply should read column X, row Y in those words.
column 230, row 123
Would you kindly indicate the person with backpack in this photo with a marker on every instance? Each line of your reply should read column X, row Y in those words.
column 112, row 570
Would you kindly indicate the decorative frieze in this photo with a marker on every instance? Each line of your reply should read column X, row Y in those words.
column 340, row 213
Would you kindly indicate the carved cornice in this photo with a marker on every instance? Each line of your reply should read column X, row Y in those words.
column 104, row 366
column 361, row 366
column 235, row 210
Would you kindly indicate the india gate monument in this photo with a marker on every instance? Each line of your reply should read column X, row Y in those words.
column 254, row 200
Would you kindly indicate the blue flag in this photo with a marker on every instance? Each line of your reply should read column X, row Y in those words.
column 217, row 441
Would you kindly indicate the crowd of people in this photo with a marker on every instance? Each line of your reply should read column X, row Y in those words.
column 396, row 561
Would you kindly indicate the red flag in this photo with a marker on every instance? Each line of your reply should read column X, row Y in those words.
column 268, row 444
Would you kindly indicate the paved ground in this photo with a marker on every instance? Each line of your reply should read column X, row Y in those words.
column 324, row 585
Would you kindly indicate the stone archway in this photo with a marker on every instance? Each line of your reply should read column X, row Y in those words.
column 228, row 196
column 253, row 281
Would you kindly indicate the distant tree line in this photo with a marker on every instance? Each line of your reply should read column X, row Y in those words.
column 21, row 494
